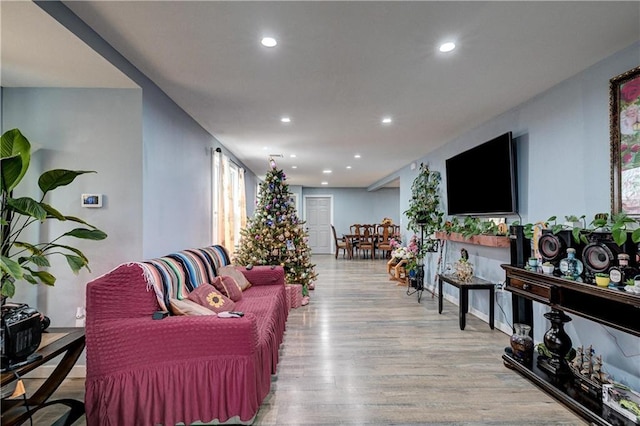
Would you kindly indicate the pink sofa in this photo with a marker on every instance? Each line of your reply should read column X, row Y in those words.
column 142, row 371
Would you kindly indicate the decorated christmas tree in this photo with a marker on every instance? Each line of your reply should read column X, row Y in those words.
column 275, row 235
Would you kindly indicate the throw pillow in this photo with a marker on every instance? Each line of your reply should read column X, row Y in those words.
column 188, row 307
column 228, row 286
column 232, row 271
column 207, row 296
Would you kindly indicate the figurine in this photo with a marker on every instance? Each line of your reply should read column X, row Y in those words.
column 464, row 254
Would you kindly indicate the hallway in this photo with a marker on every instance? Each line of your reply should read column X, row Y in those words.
column 363, row 352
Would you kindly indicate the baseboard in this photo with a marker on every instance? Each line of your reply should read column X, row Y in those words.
column 44, row 371
column 505, row 328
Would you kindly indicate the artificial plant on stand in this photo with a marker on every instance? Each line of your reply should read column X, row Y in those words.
column 275, row 235
column 424, row 213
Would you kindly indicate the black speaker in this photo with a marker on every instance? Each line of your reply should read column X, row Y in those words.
column 602, row 253
column 22, row 333
column 520, row 246
column 553, row 247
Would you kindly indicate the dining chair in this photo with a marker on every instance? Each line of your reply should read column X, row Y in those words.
column 366, row 242
column 384, row 231
column 342, row 243
column 354, row 234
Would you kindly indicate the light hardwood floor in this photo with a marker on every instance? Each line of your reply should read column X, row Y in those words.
column 363, row 352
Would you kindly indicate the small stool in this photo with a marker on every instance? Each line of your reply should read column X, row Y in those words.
column 294, row 295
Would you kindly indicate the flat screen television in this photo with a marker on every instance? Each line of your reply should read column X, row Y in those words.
column 483, row 180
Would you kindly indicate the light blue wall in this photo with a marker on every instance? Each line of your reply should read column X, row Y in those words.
column 564, row 168
column 176, row 153
column 82, row 129
column 357, row 205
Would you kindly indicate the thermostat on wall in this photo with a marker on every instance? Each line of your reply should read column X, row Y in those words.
column 91, row 200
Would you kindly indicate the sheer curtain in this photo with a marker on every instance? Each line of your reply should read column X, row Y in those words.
column 229, row 202
column 242, row 201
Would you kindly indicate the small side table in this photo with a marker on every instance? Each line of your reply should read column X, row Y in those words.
column 55, row 341
column 475, row 284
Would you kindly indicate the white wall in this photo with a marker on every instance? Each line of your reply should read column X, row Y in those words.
column 82, row 129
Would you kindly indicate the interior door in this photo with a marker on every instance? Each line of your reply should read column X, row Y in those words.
column 318, row 217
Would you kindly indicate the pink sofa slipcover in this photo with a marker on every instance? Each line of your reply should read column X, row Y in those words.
column 142, row 371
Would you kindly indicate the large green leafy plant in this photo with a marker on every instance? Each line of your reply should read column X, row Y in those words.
column 424, row 211
column 21, row 260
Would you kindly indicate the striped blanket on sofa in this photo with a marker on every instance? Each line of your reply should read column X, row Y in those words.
column 174, row 276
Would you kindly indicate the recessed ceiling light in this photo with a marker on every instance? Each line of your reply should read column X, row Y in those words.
column 326, row 171
column 324, row 183
column 269, row 42
column 292, row 156
column 294, row 167
column 264, row 148
column 356, row 156
column 386, row 120
column 447, row 47
column 285, row 120
column 348, row 167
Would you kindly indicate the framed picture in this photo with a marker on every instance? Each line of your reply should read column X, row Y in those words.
column 624, row 105
column 91, row 200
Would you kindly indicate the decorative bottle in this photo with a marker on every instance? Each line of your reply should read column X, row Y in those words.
column 570, row 266
column 522, row 343
column 618, row 275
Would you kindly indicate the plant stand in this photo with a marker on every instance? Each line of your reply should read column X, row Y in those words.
column 397, row 271
column 417, row 283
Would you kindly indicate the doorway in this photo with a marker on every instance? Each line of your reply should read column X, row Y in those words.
column 318, row 213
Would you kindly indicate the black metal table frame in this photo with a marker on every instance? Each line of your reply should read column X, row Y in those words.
column 18, row 411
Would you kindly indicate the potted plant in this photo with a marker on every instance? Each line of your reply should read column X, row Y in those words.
column 424, row 212
column 548, row 268
column 22, row 260
column 602, row 279
column 620, row 225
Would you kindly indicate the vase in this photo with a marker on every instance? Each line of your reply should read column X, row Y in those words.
column 464, row 271
column 558, row 342
column 571, row 267
column 522, row 343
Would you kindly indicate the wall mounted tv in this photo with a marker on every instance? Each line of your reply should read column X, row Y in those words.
column 483, row 180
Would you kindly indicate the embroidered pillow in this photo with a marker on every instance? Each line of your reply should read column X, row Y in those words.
column 188, row 307
column 232, row 271
column 207, row 296
column 228, row 286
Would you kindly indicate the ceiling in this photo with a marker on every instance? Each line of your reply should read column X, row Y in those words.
column 36, row 51
column 340, row 67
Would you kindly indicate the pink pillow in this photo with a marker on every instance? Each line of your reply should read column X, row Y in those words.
column 188, row 307
column 232, row 271
column 229, row 287
column 207, row 296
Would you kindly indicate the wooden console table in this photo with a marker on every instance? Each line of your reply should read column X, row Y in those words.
column 55, row 341
column 475, row 284
column 614, row 308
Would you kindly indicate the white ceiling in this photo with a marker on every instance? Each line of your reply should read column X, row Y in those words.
column 37, row 51
column 340, row 67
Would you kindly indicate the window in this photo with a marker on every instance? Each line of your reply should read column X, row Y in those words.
column 229, row 202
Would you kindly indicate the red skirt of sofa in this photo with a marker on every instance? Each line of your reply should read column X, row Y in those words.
column 177, row 392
